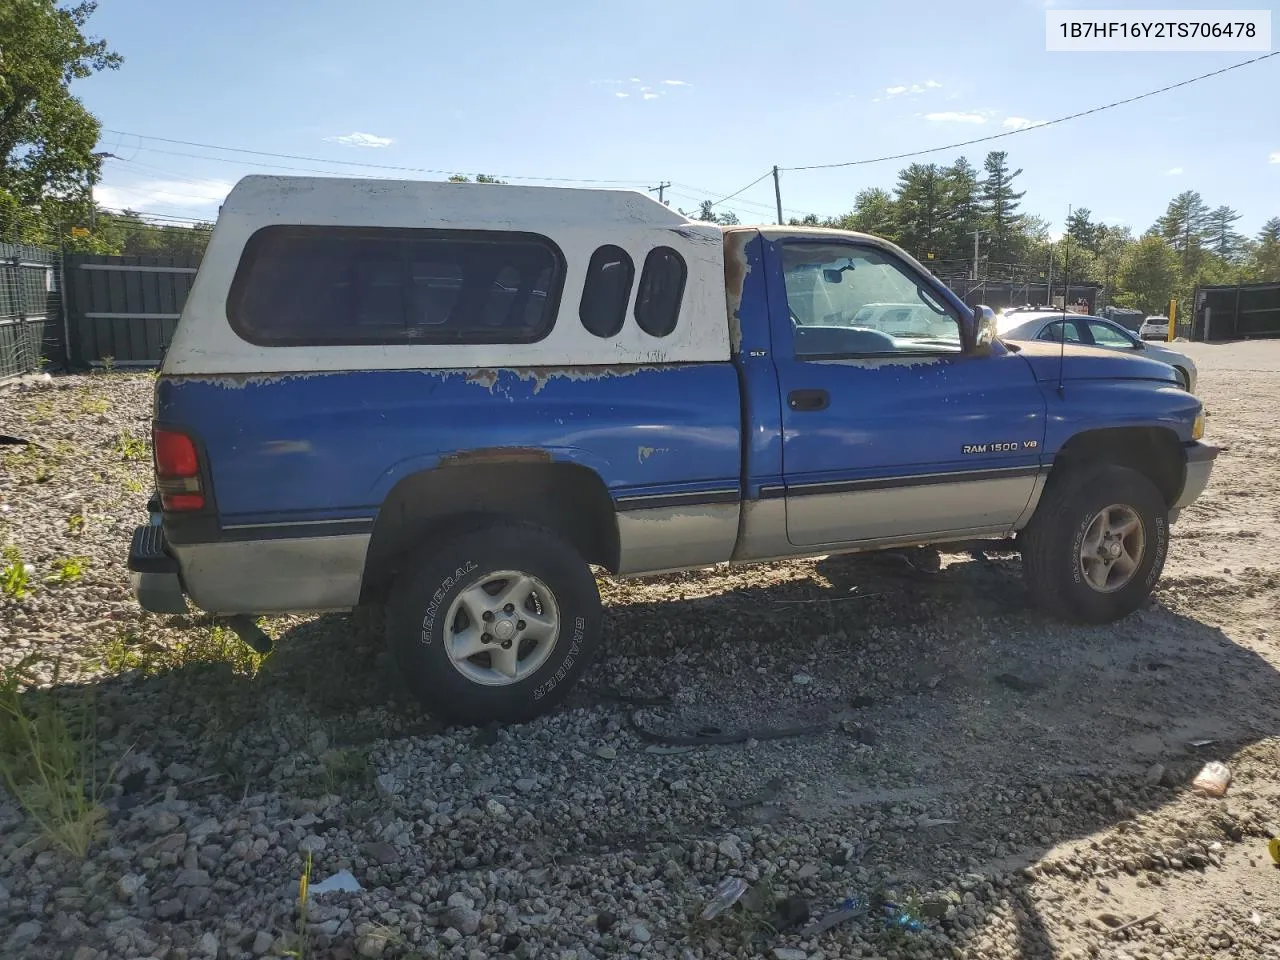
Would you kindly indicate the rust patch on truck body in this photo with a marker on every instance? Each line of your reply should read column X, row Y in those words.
column 486, row 455
column 736, row 269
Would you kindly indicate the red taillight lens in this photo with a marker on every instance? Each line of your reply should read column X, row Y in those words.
column 177, row 470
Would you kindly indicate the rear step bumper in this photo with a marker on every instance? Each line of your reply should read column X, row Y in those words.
column 153, row 572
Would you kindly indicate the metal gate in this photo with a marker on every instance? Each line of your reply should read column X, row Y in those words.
column 28, row 306
column 122, row 311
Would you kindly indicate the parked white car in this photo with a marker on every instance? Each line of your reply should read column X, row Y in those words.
column 1093, row 331
column 1154, row 327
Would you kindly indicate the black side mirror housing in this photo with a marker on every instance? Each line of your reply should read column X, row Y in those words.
column 979, row 331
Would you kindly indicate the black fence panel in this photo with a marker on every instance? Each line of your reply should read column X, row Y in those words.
column 122, row 311
column 1241, row 312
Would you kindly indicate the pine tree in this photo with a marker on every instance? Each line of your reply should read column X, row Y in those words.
column 1000, row 207
column 1083, row 231
column 964, row 211
column 921, row 209
column 1222, row 239
column 1265, row 264
column 1185, row 226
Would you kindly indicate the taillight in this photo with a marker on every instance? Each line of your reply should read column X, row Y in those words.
column 177, row 470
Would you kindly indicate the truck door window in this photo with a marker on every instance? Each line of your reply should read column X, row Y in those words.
column 660, row 292
column 606, row 290
column 849, row 301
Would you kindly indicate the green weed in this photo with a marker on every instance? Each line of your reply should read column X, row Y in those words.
column 133, row 484
column 75, row 524
column 69, row 569
column 15, row 577
column 94, row 405
column 48, row 758
column 131, row 447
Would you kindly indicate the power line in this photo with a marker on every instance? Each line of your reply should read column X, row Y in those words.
column 767, row 173
column 352, row 163
column 1037, row 126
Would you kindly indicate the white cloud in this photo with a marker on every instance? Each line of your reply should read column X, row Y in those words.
column 1274, row 158
column 1020, row 123
column 677, row 83
column 952, row 116
column 915, row 89
column 193, row 195
column 1173, row 171
column 361, row 140
column 651, row 96
column 635, row 79
column 622, row 95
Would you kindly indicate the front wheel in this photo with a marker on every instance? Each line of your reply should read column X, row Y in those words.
column 1097, row 543
column 494, row 624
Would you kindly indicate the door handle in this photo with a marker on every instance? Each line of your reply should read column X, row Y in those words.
column 808, row 399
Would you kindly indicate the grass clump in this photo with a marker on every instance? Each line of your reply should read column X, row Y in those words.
column 48, row 758
column 214, row 644
column 94, row 405
column 131, row 447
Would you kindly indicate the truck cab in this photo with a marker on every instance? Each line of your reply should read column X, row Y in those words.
column 450, row 401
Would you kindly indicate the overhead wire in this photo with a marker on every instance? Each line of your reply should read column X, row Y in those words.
column 1034, row 126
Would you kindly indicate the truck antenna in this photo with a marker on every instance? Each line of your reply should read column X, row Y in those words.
column 1066, row 292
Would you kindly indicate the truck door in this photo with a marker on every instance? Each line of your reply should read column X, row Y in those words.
column 889, row 430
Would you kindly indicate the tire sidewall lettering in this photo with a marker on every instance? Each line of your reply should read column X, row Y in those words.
column 566, row 665
column 427, row 636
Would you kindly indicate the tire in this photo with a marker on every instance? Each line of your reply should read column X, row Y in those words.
column 1095, row 589
column 443, row 593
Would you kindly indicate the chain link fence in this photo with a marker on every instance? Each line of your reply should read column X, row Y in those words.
column 30, row 306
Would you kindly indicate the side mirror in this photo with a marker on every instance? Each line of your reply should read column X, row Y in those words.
column 980, row 330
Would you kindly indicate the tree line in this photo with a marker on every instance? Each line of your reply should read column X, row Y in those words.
column 935, row 212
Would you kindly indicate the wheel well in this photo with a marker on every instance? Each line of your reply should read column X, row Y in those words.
column 570, row 499
column 1152, row 451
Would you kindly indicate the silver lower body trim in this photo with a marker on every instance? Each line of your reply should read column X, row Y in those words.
column 295, row 575
column 667, row 539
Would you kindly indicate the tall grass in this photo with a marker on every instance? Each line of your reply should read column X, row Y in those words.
column 49, row 757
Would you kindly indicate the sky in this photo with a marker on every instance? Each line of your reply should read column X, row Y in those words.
column 707, row 95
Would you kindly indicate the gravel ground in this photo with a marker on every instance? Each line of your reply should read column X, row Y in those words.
column 1025, row 785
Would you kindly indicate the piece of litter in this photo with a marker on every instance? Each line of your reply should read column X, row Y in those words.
column 802, row 679
column 1201, row 743
column 1213, row 779
column 728, row 893
column 342, row 881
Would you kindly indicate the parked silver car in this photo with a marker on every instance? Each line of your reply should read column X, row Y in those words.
column 1092, row 331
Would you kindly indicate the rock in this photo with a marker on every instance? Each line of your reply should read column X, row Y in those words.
column 807, row 872
column 192, row 878
column 24, row 934
column 605, row 921
column 128, row 885
column 208, row 945
column 606, row 753
column 451, row 936
column 463, row 919
column 380, row 852
column 312, row 844
column 262, row 942
column 788, row 953
column 371, row 945
column 318, row 741
column 640, row 933
column 494, row 808
column 1155, row 774
column 164, row 822
column 179, row 772
column 526, row 785
column 803, row 679
column 729, row 848
column 460, row 900
column 85, row 953
column 388, row 784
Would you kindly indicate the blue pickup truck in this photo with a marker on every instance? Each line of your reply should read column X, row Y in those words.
column 451, row 402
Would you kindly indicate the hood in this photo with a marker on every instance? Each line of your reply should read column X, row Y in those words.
column 1090, row 363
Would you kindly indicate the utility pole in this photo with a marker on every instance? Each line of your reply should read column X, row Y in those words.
column 661, row 188
column 777, row 193
column 974, row 274
column 1049, row 286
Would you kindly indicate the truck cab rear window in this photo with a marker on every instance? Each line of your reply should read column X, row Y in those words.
column 661, row 290
column 300, row 286
column 606, row 290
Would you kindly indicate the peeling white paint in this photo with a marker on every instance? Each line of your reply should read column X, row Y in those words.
column 876, row 363
column 644, row 453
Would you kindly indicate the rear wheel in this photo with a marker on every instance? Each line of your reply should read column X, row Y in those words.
column 1097, row 543
column 494, row 624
